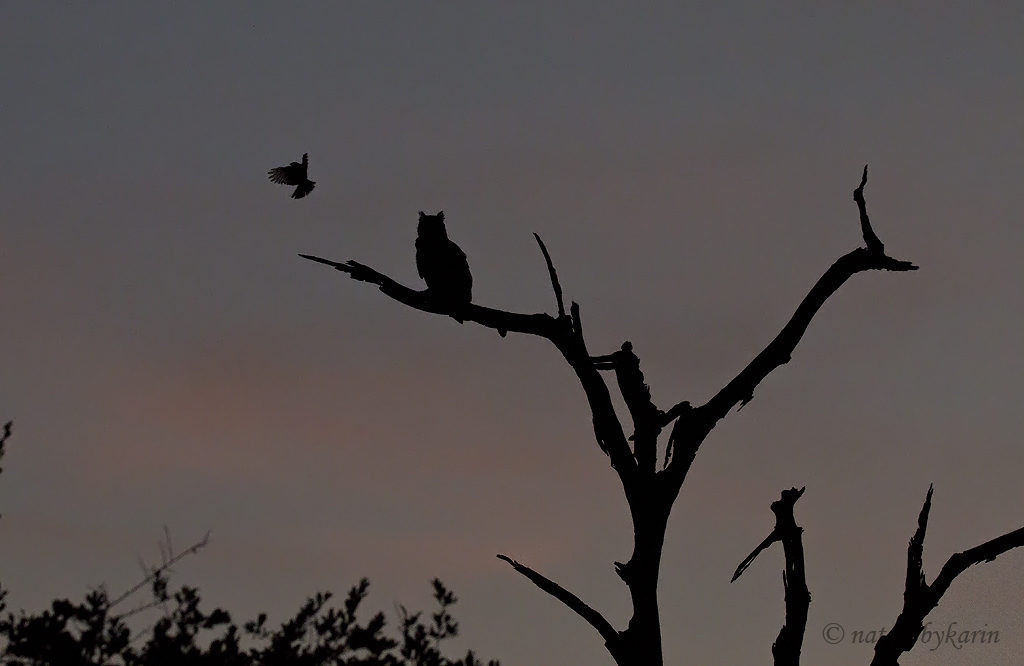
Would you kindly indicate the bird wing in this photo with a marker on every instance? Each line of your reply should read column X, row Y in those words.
column 286, row 175
column 421, row 257
column 463, row 277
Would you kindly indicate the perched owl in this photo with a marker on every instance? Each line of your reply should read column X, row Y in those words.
column 294, row 174
column 441, row 263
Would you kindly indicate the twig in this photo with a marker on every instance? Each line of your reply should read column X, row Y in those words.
column 554, row 276
column 3, row 438
column 156, row 571
column 4, row 435
column 870, row 239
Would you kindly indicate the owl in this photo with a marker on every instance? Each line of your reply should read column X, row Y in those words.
column 294, row 174
column 442, row 264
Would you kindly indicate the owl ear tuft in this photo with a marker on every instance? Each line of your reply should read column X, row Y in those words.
column 440, row 215
column 422, row 215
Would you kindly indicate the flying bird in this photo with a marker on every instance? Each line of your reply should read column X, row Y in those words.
column 442, row 264
column 294, row 174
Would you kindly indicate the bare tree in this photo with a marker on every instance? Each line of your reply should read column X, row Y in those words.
column 650, row 489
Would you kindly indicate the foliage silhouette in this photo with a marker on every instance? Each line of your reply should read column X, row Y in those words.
column 94, row 632
column 91, row 633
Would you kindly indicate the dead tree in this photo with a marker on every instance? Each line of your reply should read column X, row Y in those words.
column 650, row 489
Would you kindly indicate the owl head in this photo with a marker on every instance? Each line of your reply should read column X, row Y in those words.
column 431, row 226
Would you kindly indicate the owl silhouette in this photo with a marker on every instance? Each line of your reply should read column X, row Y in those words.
column 442, row 264
column 294, row 174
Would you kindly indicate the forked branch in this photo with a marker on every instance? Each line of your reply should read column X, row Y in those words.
column 919, row 598
column 786, row 649
column 778, row 352
column 170, row 558
column 566, row 333
column 740, row 390
column 648, row 420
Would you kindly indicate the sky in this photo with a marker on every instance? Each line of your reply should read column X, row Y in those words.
column 168, row 360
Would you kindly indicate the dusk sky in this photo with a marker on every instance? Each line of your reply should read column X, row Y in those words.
column 168, row 359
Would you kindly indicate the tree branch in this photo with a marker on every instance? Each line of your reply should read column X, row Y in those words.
column 986, row 552
column 565, row 333
column 169, row 559
column 607, row 428
column 542, row 325
column 919, row 598
column 593, row 617
column 870, row 239
column 554, row 276
column 778, row 352
column 740, row 390
column 5, row 433
column 749, row 559
column 786, row 648
column 648, row 420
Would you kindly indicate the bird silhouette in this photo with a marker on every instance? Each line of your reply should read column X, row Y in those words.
column 294, row 174
column 442, row 264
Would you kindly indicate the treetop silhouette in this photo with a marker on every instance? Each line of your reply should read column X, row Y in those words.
column 649, row 488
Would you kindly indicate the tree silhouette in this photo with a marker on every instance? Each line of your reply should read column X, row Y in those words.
column 650, row 490
column 97, row 631
column 91, row 633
